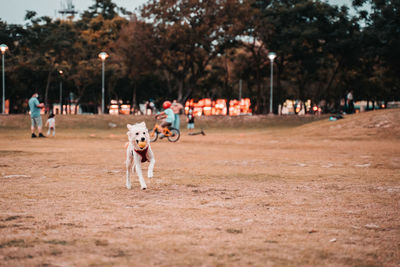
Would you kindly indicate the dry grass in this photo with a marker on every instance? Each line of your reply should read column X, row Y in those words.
column 104, row 122
column 309, row 195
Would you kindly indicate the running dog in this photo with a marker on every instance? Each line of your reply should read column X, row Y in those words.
column 138, row 151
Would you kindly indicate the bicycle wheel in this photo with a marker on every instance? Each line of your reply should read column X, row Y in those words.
column 153, row 135
column 174, row 135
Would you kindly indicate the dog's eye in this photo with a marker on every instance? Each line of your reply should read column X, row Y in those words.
column 144, row 133
column 137, row 133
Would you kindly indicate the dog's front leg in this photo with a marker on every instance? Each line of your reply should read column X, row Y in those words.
column 150, row 156
column 138, row 168
column 129, row 165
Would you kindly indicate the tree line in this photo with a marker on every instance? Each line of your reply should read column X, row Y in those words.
column 180, row 49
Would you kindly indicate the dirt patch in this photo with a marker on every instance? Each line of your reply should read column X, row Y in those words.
column 104, row 122
column 267, row 196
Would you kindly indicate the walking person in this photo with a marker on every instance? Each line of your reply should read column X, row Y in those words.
column 35, row 106
column 350, row 102
column 176, row 108
column 190, row 124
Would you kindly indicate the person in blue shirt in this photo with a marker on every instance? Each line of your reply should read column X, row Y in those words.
column 176, row 108
column 35, row 106
column 167, row 115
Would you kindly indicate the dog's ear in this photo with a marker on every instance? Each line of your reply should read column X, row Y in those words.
column 130, row 135
column 142, row 124
column 129, row 126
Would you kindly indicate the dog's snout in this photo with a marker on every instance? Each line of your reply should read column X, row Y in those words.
column 143, row 139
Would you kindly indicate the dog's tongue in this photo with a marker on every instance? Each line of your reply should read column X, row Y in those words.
column 142, row 144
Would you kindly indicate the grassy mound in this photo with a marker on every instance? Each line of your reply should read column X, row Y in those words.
column 378, row 124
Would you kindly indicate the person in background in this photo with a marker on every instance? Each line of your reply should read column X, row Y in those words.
column 190, row 124
column 51, row 123
column 190, row 121
column 167, row 115
column 152, row 106
column 35, row 106
column 147, row 108
column 350, row 102
column 176, row 108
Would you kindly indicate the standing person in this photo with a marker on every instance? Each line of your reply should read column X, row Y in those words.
column 176, row 108
column 51, row 123
column 190, row 124
column 147, row 108
column 350, row 102
column 152, row 106
column 35, row 107
column 190, row 121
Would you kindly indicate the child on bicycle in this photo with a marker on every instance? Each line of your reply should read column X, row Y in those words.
column 167, row 115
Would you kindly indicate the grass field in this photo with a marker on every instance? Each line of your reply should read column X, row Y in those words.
column 255, row 190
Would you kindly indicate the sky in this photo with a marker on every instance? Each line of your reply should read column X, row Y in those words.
column 13, row 11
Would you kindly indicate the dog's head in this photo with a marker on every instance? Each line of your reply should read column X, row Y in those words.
column 138, row 135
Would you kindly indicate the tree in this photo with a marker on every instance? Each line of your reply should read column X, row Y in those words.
column 380, row 45
column 302, row 33
column 105, row 8
column 189, row 34
column 131, row 49
column 97, row 35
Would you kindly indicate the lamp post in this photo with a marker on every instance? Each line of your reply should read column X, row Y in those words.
column 3, row 49
column 61, row 105
column 240, row 89
column 271, row 56
column 103, row 56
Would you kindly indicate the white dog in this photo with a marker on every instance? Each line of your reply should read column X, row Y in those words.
column 138, row 151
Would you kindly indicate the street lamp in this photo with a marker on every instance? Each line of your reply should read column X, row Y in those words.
column 3, row 49
column 61, row 105
column 271, row 56
column 103, row 56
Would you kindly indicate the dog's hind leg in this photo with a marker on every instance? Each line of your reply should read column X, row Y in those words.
column 129, row 168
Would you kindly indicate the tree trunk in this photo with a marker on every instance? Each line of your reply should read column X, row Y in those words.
column 333, row 75
column 47, row 89
column 259, row 96
column 76, row 106
column 226, row 78
column 134, row 97
column 168, row 78
column 180, row 89
column 186, row 97
column 264, row 98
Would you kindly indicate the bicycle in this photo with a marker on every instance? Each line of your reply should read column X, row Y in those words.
column 171, row 133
